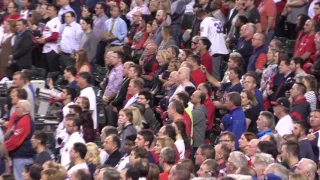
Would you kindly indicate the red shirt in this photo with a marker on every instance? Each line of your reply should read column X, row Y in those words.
column 164, row 175
column 206, row 60
column 13, row 16
column 187, row 121
column 210, row 112
column 268, row 9
column 198, row 77
column 305, row 44
column 154, row 67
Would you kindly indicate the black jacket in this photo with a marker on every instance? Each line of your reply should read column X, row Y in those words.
column 300, row 110
column 121, row 95
column 113, row 159
column 22, row 50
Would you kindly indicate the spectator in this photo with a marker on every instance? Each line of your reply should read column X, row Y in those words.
column 206, row 89
column 18, row 143
column 252, row 148
column 250, row 84
column 65, row 7
column 100, row 19
column 235, row 121
column 167, row 160
column 129, row 145
column 268, row 13
column 227, row 138
column 12, row 12
column 39, row 143
column 300, row 108
column 9, row 27
column 135, row 86
column 203, row 47
column 112, row 146
column 290, row 154
column 236, row 159
column 209, row 168
column 182, row 142
column 197, row 75
column 260, row 162
column 300, row 130
column 244, row 46
column 294, row 10
column 145, row 98
column 248, row 101
column 245, row 140
column 311, row 84
column 88, row 40
column 141, row 6
column 296, row 64
column 278, row 170
column 222, row 153
column 125, row 120
column 145, row 139
column 204, row 152
column 32, row 171
column 154, row 171
column 281, row 110
column 306, row 167
column 148, row 63
column 215, row 7
column 265, row 123
column 178, row 171
column 92, row 157
column 77, row 155
column 258, row 58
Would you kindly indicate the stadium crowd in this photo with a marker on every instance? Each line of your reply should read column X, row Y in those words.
column 192, row 89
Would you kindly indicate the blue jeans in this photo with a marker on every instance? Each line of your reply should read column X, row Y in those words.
column 18, row 166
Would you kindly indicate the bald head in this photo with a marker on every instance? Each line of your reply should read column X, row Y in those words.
column 258, row 40
column 184, row 74
column 309, row 26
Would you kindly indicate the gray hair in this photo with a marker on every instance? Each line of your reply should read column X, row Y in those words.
column 263, row 159
column 310, row 166
column 110, row 173
column 279, row 170
column 25, row 104
column 253, row 26
column 268, row 117
column 168, row 155
column 238, row 159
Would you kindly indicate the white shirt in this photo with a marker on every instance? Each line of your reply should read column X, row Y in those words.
column 284, row 125
column 311, row 99
column 212, row 29
column 65, row 110
column 181, row 88
column 75, row 168
column 24, row 14
column 67, row 145
column 123, row 162
column 143, row 9
column 52, row 26
column 63, row 10
column 103, row 156
column 311, row 10
column 132, row 100
column 181, row 148
column 70, row 37
column 89, row 93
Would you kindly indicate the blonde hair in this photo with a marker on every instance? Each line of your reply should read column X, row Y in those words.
column 136, row 117
column 295, row 176
column 165, row 141
column 167, row 34
column 163, row 54
column 93, row 154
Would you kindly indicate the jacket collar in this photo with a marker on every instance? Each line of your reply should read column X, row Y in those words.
column 299, row 101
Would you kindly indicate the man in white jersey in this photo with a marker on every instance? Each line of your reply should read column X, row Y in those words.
column 212, row 29
column 50, row 38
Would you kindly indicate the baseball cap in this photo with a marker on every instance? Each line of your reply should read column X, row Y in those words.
column 283, row 101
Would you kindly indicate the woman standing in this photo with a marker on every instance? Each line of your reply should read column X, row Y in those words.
column 82, row 62
column 6, row 45
column 311, row 84
column 248, row 100
column 167, row 39
column 140, row 36
column 158, row 75
column 125, row 126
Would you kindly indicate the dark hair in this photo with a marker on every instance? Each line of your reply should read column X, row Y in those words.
column 235, row 98
column 34, row 171
column 147, row 94
column 207, row 87
column 71, row 91
column 269, row 148
column 76, row 108
column 138, row 83
column 132, row 173
column 249, row 136
column 285, row 59
column 116, row 140
column 206, row 42
column 72, row 70
column 75, row 119
column 86, row 76
column 147, row 136
column 201, row 12
column 303, row 19
column 184, row 97
column 22, row 94
column 81, row 174
column 41, row 136
column 237, row 70
column 121, row 56
column 88, row 20
column 292, row 147
column 178, row 106
column 175, row 50
column 55, row 7
column 181, row 172
column 140, row 152
column 131, row 138
column 81, row 149
column 195, row 59
column 207, row 151
column 181, row 126
column 231, row 135
column 298, row 60
column 243, row 19
column 304, row 126
column 137, row 69
column 170, row 131
column 109, row 130
column 27, row 74
column 7, row 176
column 72, row 14
column 103, row 5
column 142, row 166
column 24, row 22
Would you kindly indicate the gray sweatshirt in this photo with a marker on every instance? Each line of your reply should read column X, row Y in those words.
column 199, row 125
column 89, row 43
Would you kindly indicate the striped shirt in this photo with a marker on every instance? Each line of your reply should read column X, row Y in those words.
column 311, row 99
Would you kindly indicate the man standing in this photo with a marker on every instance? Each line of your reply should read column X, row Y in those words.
column 301, row 130
column 88, row 41
column 100, row 19
column 178, row 8
column 197, row 75
column 259, row 55
column 264, row 123
column 112, row 146
column 22, row 49
column 39, row 143
column 135, row 86
column 84, row 83
column 290, row 154
column 50, row 38
column 73, row 124
column 296, row 65
column 300, row 108
column 69, row 43
column 281, row 110
column 19, row 141
column 235, row 120
column 203, row 47
column 141, row 6
column 184, row 80
column 199, row 121
column 212, row 29
column 65, row 7
column 77, row 155
column 149, row 63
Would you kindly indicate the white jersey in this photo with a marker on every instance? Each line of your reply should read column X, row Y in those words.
column 212, row 29
column 51, row 27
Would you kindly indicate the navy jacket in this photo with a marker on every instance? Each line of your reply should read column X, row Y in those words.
column 253, row 58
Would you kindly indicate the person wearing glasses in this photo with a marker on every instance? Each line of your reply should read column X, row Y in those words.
column 12, row 12
column 259, row 56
